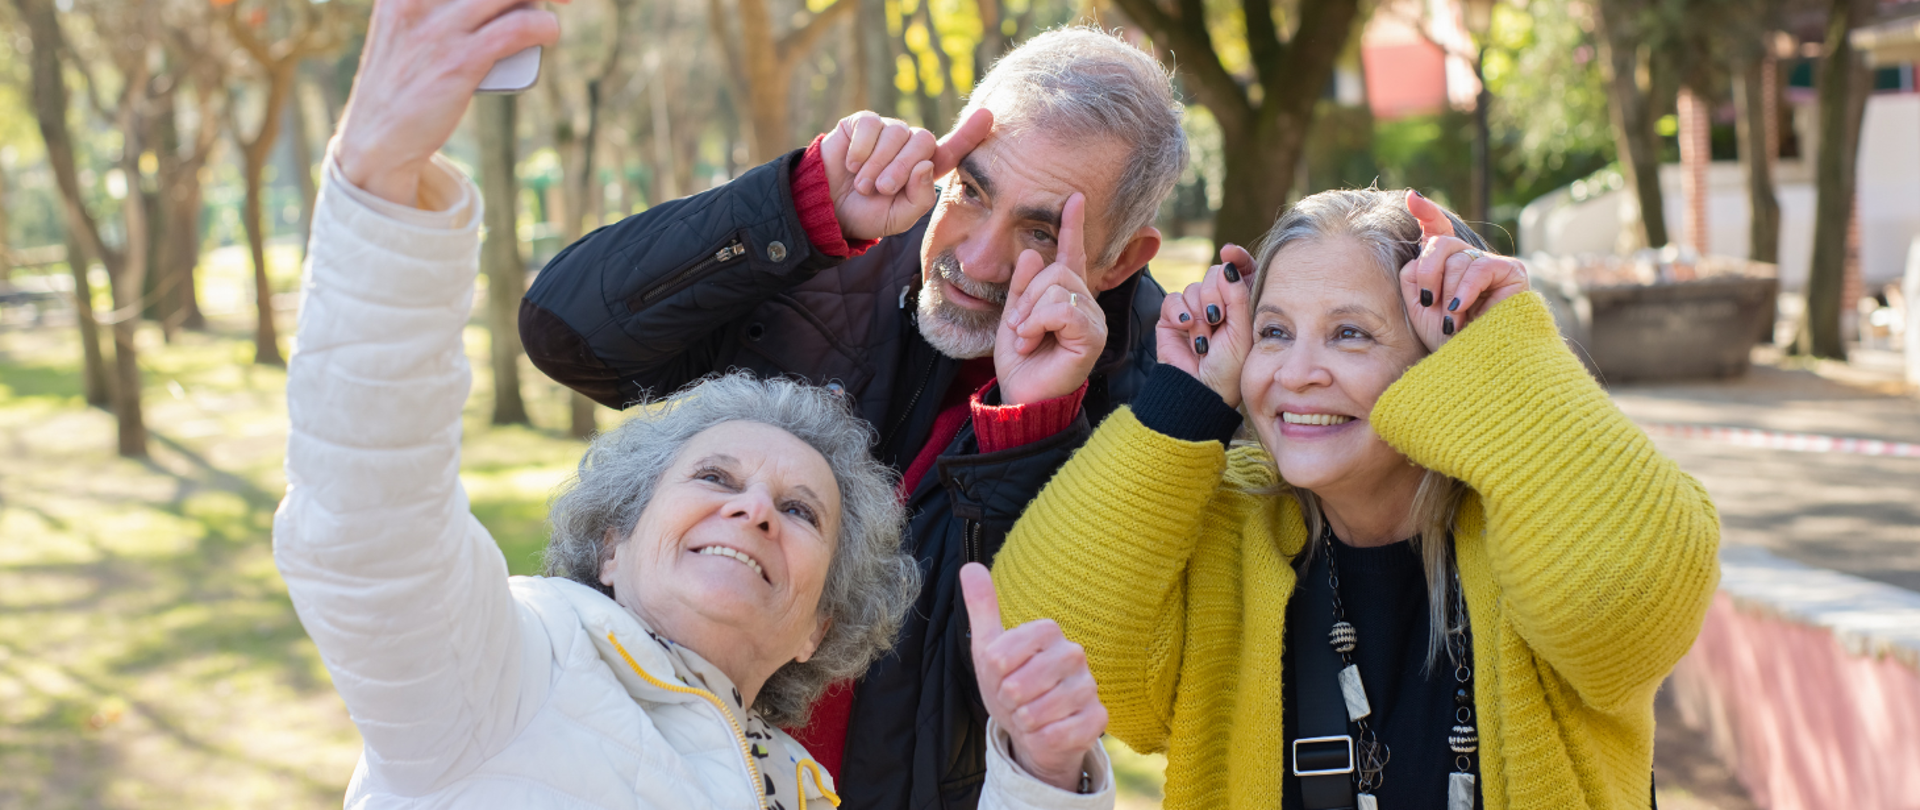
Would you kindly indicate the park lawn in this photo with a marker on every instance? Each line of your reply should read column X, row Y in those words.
column 149, row 655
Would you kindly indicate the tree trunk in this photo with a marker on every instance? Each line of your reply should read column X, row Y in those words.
column 129, row 283
column 50, row 104
column 871, row 28
column 1262, row 143
column 1258, row 174
column 949, row 94
column 302, row 159
column 494, row 121
column 1843, row 89
column 99, row 391
column 1750, row 128
column 1631, row 112
column 6, row 244
column 266, row 338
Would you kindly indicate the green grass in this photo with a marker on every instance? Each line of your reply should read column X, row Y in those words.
column 149, row 655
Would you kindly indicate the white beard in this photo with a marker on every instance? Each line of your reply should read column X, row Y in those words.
column 962, row 334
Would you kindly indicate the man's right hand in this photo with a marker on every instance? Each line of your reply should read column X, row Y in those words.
column 880, row 171
column 422, row 63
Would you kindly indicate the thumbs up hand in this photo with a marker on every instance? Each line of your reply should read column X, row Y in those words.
column 1036, row 684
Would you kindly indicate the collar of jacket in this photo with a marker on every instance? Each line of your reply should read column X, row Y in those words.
column 654, row 670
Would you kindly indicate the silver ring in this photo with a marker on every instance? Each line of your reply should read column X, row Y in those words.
column 1073, row 299
column 1475, row 252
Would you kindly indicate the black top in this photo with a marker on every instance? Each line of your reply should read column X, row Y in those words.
column 1384, row 592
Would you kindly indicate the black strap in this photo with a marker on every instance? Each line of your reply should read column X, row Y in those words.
column 1316, row 695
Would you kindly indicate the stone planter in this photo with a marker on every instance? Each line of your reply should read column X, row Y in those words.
column 1680, row 330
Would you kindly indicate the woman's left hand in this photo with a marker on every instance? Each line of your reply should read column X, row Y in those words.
column 1452, row 283
column 1037, row 684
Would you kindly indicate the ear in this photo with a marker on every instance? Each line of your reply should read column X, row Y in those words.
column 1141, row 249
column 813, row 642
column 609, row 558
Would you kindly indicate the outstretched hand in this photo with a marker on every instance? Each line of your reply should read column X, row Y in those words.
column 422, row 63
column 1207, row 329
column 1452, row 283
column 1052, row 329
column 880, row 171
column 1036, row 683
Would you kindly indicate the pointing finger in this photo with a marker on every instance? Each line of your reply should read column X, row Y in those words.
column 962, row 141
column 1072, row 250
column 1433, row 221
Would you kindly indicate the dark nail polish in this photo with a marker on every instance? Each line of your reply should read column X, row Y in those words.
column 1453, row 306
column 1184, row 317
column 1446, row 325
column 1426, row 298
column 1232, row 273
column 1199, row 345
column 1416, row 193
column 1213, row 314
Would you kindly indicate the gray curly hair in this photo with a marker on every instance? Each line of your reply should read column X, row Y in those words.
column 871, row 582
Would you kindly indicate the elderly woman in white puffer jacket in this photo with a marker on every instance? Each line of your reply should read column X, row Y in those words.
column 717, row 561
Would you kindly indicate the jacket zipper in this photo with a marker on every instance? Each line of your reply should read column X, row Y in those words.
column 971, row 541
column 926, row 379
column 680, row 280
column 740, row 736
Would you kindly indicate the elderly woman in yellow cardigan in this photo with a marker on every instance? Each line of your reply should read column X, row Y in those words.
column 1449, row 574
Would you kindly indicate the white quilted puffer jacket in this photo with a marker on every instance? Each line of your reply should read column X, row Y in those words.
column 470, row 689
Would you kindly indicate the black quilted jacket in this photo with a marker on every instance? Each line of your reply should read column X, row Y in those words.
column 727, row 279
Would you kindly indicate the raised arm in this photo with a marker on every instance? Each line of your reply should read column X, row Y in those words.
column 1604, row 551
column 641, row 305
column 400, row 588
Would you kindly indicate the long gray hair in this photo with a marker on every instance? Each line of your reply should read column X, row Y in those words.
column 1378, row 221
column 871, row 582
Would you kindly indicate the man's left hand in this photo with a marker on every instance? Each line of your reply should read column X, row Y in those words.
column 1052, row 330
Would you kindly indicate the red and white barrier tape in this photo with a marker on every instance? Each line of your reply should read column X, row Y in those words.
column 1777, row 440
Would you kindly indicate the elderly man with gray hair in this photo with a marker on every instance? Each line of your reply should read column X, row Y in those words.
column 940, row 286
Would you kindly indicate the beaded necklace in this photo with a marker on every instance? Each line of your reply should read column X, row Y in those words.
column 1371, row 755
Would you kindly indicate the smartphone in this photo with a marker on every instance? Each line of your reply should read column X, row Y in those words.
column 513, row 74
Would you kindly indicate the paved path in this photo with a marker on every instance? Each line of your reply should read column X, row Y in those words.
column 1830, row 506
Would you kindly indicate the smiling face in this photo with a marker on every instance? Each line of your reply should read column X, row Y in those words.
column 1330, row 334
column 731, row 554
column 1005, row 198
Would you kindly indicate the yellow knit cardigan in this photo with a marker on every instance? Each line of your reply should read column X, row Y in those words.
column 1587, row 559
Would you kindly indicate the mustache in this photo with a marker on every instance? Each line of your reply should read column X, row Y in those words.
column 947, row 267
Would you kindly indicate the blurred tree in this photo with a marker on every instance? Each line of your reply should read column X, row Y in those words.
column 276, row 36
column 579, row 72
column 1541, row 64
column 1845, row 82
column 1266, row 109
column 189, row 45
column 129, row 49
column 1635, row 91
column 495, row 126
column 762, row 64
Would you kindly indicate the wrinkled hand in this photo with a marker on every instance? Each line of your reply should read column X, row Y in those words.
column 422, row 63
column 880, row 171
column 1452, row 283
column 1207, row 329
column 1052, row 329
column 1036, row 683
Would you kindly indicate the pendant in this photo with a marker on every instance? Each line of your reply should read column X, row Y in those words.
column 1355, row 693
column 1366, row 801
column 1460, row 791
